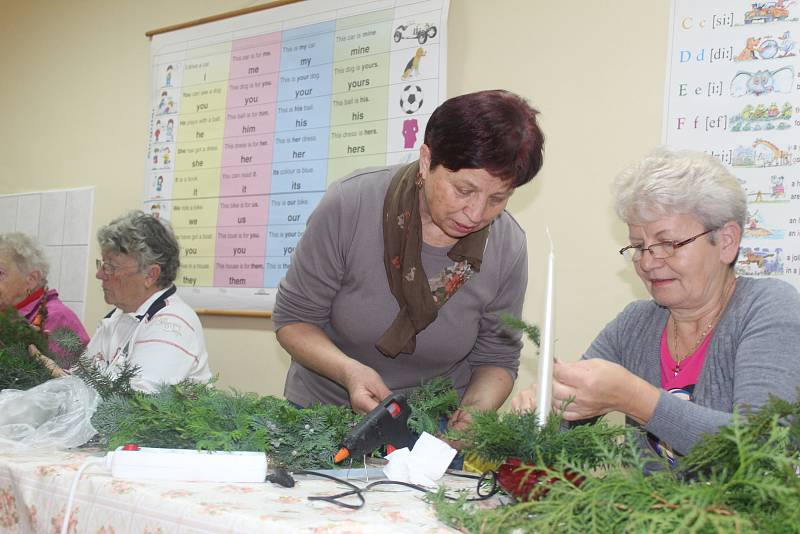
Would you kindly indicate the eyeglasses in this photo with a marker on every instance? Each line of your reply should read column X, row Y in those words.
column 108, row 268
column 659, row 251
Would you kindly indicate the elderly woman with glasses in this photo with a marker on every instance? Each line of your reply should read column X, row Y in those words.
column 151, row 326
column 708, row 342
column 23, row 285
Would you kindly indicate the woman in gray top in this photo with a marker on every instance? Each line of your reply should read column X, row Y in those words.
column 402, row 271
column 707, row 336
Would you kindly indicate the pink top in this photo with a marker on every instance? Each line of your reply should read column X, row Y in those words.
column 58, row 316
column 688, row 369
column 680, row 384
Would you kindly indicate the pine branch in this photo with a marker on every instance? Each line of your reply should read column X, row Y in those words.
column 431, row 402
column 106, row 386
column 530, row 330
column 70, row 346
column 18, row 370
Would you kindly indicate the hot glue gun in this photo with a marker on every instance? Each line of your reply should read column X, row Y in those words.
column 386, row 425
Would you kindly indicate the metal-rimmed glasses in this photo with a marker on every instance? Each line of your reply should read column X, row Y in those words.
column 659, row 251
column 108, row 268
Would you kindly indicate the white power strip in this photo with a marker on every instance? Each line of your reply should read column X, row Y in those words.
column 147, row 463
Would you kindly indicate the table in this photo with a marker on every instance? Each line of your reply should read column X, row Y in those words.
column 34, row 488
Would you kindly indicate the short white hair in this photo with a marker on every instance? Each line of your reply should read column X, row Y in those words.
column 674, row 182
column 26, row 254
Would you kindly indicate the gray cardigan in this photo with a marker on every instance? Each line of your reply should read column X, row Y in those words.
column 337, row 281
column 754, row 353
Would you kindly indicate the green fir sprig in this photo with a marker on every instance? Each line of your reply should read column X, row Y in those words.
column 530, row 330
column 742, row 479
column 106, row 386
column 496, row 436
column 18, row 369
column 432, row 401
column 198, row 416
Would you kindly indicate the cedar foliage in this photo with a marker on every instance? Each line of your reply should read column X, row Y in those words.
column 199, row 416
column 495, row 436
column 430, row 403
column 742, row 479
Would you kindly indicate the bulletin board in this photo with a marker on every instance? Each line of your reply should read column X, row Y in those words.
column 733, row 90
column 253, row 115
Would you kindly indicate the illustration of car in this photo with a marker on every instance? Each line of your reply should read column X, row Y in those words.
column 412, row 30
column 766, row 12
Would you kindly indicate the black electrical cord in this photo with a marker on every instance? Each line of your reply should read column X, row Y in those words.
column 487, row 478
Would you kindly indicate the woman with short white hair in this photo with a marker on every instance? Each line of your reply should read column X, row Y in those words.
column 707, row 337
column 23, row 285
column 151, row 326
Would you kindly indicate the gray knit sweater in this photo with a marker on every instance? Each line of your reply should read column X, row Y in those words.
column 337, row 281
column 754, row 353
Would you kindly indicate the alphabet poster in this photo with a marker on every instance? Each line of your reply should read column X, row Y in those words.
column 253, row 116
column 733, row 90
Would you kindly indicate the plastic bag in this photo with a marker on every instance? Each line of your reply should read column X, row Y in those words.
column 54, row 415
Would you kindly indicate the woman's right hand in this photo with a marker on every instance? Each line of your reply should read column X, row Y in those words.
column 365, row 387
column 525, row 400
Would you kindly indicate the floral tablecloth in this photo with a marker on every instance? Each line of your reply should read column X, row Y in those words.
column 34, row 488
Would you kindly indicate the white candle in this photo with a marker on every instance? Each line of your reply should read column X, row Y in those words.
column 546, row 354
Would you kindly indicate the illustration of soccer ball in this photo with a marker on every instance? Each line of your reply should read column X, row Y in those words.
column 411, row 99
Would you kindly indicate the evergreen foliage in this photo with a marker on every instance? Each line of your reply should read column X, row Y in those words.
column 530, row 330
column 18, row 370
column 742, row 479
column 70, row 346
column 105, row 385
column 495, row 436
column 198, row 416
column 430, row 403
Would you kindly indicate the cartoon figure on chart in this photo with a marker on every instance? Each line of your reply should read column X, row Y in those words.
column 168, row 134
column 412, row 68
column 410, row 129
column 157, row 132
column 162, row 104
column 749, row 52
column 155, row 210
column 155, row 156
column 165, row 156
column 753, row 218
column 778, row 190
column 762, row 82
column 786, row 45
column 159, row 184
column 168, row 80
column 169, row 108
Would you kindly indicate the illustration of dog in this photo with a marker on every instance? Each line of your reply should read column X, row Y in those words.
column 413, row 66
column 749, row 52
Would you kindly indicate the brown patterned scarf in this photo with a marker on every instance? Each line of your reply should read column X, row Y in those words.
column 402, row 245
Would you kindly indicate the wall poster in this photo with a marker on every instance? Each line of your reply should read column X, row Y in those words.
column 733, row 90
column 253, row 116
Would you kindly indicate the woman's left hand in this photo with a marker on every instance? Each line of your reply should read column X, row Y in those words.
column 460, row 420
column 588, row 388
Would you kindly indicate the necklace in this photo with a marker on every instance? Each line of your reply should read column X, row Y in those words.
column 703, row 334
